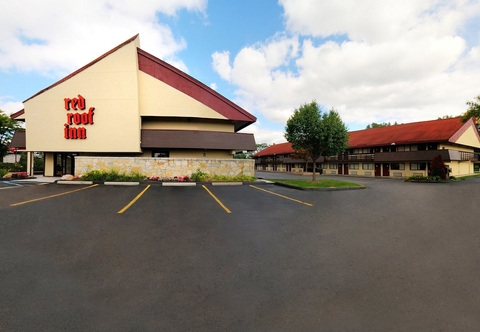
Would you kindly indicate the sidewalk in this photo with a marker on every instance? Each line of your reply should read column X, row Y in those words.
column 38, row 178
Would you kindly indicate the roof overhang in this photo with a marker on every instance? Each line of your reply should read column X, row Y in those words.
column 189, row 139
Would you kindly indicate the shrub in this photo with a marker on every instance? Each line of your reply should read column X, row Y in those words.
column 112, row 175
column 12, row 167
column 199, row 175
column 438, row 167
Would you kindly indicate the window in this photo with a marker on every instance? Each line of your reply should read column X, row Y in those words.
column 367, row 166
column 160, row 154
column 333, row 166
column 418, row 166
column 401, row 148
column 413, row 148
column 397, row 166
column 353, row 166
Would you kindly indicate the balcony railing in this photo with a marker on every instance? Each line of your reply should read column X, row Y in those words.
column 384, row 157
column 352, row 157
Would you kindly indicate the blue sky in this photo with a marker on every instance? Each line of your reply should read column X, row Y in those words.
column 372, row 60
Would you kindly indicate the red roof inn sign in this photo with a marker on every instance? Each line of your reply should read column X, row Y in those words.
column 77, row 118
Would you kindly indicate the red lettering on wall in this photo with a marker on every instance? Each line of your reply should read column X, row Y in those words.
column 69, row 118
column 81, row 102
column 72, row 133
column 90, row 115
column 77, row 118
column 84, row 118
column 67, row 103
column 82, row 133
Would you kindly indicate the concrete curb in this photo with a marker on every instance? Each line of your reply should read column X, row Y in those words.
column 73, row 182
column 179, row 184
column 227, row 183
column 113, row 183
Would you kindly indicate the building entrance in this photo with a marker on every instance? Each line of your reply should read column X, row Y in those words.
column 64, row 163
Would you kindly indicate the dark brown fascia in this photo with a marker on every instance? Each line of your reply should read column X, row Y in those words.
column 192, row 139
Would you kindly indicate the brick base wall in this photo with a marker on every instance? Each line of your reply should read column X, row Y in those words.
column 165, row 166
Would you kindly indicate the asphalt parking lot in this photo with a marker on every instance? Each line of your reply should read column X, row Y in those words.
column 393, row 257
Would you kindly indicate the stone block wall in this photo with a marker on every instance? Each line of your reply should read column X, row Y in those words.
column 165, row 166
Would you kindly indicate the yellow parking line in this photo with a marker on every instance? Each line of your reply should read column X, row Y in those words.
column 52, row 196
column 133, row 201
column 215, row 198
column 292, row 199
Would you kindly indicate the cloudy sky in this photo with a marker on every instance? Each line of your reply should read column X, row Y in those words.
column 372, row 60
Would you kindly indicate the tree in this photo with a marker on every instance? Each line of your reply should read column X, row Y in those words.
column 445, row 117
column 378, row 125
column 249, row 154
column 303, row 155
column 438, row 167
column 320, row 134
column 7, row 128
column 473, row 110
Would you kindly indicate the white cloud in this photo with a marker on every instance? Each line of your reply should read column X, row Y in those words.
column 9, row 107
column 55, row 37
column 397, row 61
column 264, row 135
column 221, row 64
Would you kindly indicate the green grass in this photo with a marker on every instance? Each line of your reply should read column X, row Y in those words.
column 320, row 183
column 468, row 176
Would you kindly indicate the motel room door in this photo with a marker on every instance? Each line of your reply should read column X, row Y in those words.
column 340, row 169
column 378, row 170
column 386, row 169
column 345, row 169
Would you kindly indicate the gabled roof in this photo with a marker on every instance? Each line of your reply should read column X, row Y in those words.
column 410, row 133
column 179, row 80
column 282, row 148
column 17, row 114
column 128, row 41
column 443, row 130
column 183, row 82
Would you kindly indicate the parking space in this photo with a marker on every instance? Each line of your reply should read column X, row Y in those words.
column 395, row 256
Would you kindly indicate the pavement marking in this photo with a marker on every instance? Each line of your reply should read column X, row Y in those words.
column 133, row 201
column 273, row 193
column 216, row 199
column 52, row 196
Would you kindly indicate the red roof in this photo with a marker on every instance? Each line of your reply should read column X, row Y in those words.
column 185, row 83
column 443, row 130
column 409, row 133
column 282, row 148
column 178, row 80
column 17, row 114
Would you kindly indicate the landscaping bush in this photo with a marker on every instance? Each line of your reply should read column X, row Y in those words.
column 438, row 167
column 200, row 176
column 112, row 175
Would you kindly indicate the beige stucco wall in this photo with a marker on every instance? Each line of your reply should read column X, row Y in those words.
column 183, row 124
column 165, row 166
column 160, row 99
column 469, row 138
column 110, row 86
column 49, row 164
